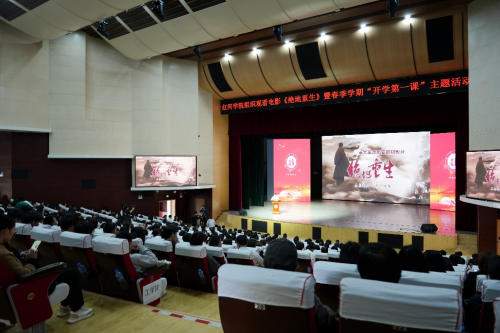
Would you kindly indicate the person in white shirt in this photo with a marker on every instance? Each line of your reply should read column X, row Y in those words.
column 242, row 242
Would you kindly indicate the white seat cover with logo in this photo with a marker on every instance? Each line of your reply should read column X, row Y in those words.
column 326, row 272
column 320, row 256
column 159, row 244
column 188, row 250
column 305, row 255
column 215, row 251
column 23, row 229
column 45, row 235
column 241, row 253
column 479, row 282
column 490, row 290
column 432, row 279
column 72, row 239
column 496, row 310
column 110, row 245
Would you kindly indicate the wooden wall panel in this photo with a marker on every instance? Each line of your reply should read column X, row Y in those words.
column 348, row 57
column 329, row 80
column 277, row 68
column 420, row 42
column 247, row 73
column 390, row 49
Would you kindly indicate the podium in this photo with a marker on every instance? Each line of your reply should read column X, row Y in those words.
column 276, row 207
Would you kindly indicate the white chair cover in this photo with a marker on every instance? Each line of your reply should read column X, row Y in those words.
column 320, row 256
column 432, row 279
column 105, row 235
column 226, row 247
column 23, row 229
column 306, row 255
column 242, row 253
column 326, row 272
column 159, row 244
column 72, row 239
column 188, row 250
column 402, row 305
column 45, row 235
column 333, row 254
column 496, row 310
column 479, row 282
column 265, row 286
column 491, row 290
column 215, row 251
column 211, row 223
column 110, row 245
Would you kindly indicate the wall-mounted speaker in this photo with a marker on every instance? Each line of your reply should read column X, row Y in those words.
column 88, row 184
column 244, row 224
column 310, row 61
column 316, row 233
column 218, row 77
column 277, row 229
column 19, row 174
column 440, row 39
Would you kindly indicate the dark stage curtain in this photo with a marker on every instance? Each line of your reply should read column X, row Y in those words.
column 435, row 112
column 252, row 170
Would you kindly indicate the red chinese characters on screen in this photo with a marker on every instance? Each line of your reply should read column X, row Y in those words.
column 491, row 178
column 355, row 172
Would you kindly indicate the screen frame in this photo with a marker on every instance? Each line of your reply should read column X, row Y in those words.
column 466, row 187
column 134, row 159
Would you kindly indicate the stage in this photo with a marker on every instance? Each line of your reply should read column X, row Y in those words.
column 345, row 219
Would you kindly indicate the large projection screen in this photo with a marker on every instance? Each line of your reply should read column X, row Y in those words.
column 165, row 171
column 292, row 169
column 391, row 167
column 483, row 175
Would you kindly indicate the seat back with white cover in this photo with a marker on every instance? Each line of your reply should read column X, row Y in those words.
column 496, row 311
column 210, row 223
column 241, row 256
column 77, row 249
column 305, row 260
column 375, row 306
column 432, row 279
column 217, row 253
column 333, row 255
column 479, row 282
column 190, row 259
column 490, row 291
column 319, row 256
column 328, row 276
column 26, row 302
column 163, row 249
column 251, row 298
column 22, row 237
column 226, row 247
column 49, row 250
column 113, row 254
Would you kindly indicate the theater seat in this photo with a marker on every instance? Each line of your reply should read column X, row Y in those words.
column 226, row 247
column 217, row 253
column 319, row 256
column 49, row 250
column 22, row 237
column 374, row 306
column 490, row 291
column 305, row 261
column 27, row 302
column 328, row 276
column 496, row 310
column 432, row 279
column 242, row 256
column 77, row 249
column 112, row 254
column 190, row 259
column 252, row 299
column 479, row 282
column 163, row 249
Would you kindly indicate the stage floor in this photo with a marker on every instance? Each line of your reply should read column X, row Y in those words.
column 358, row 215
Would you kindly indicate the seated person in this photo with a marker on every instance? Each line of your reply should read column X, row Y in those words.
column 324, row 249
column 186, row 238
column 169, row 233
column 68, row 222
column 242, row 242
column 227, row 241
column 349, row 253
column 215, row 241
column 435, row 261
column 412, row 259
column 469, row 289
column 454, row 259
column 379, row 262
column 197, row 239
column 299, row 246
column 282, row 254
column 461, row 261
column 84, row 227
column 110, row 228
column 472, row 309
column 25, row 262
column 33, row 218
column 16, row 214
column 50, row 220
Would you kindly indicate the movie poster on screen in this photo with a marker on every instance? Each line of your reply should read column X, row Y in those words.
column 292, row 169
column 443, row 171
column 151, row 171
column 392, row 167
column 483, row 175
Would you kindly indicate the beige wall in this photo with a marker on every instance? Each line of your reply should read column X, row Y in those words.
column 220, row 194
column 484, row 72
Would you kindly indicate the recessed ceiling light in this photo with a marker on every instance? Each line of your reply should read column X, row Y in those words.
column 363, row 26
column 287, row 41
column 255, row 49
column 323, row 34
column 408, row 17
column 226, row 55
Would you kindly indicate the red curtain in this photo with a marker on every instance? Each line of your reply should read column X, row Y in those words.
column 392, row 114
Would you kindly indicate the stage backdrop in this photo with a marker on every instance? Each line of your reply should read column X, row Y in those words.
column 483, row 178
column 292, row 169
column 443, row 171
column 392, row 167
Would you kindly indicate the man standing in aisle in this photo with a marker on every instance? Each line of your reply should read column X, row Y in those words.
column 203, row 215
column 194, row 219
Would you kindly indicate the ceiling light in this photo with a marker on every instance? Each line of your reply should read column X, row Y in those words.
column 197, row 51
column 408, row 17
column 323, row 34
column 102, row 28
column 363, row 26
column 226, row 55
column 287, row 41
column 158, row 10
column 254, row 49
column 278, row 32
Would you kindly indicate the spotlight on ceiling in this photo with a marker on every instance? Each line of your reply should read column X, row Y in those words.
column 254, row 49
column 323, row 34
column 287, row 42
column 407, row 17
column 392, row 7
column 226, row 55
column 197, row 51
column 278, row 32
column 102, row 28
column 363, row 26
column 158, row 10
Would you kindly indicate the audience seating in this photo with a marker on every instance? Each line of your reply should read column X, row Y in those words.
column 479, row 282
column 242, row 256
column 217, row 253
column 226, row 247
column 49, row 250
column 27, row 302
column 490, row 291
column 163, row 249
column 190, row 259
column 305, row 261
column 496, row 310
column 77, row 249
column 22, row 237
column 112, row 254
column 319, row 256
column 253, row 298
column 374, row 306
column 432, row 279
column 328, row 276
column 333, row 255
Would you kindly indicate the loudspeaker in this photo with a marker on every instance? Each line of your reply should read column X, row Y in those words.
column 242, row 212
column 316, row 233
column 218, row 77
column 425, row 228
column 260, row 226
column 277, row 229
column 362, row 237
column 396, row 241
column 19, row 174
column 88, row 184
column 440, row 39
column 310, row 61
column 418, row 241
column 244, row 224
